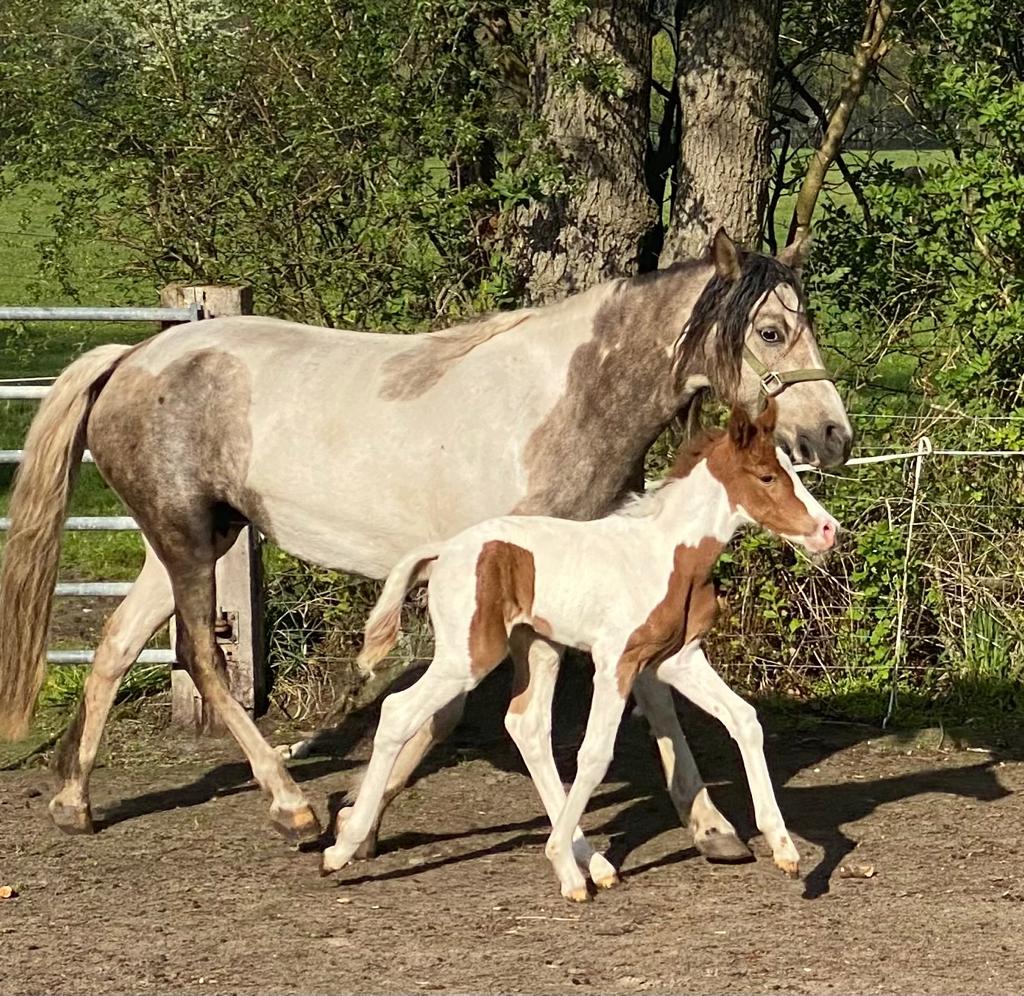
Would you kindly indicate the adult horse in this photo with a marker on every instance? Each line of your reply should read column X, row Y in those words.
column 349, row 449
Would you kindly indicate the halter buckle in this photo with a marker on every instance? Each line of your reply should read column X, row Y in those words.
column 772, row 384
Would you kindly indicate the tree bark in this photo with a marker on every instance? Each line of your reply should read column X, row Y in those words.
column 726, row 60
column 603, row 224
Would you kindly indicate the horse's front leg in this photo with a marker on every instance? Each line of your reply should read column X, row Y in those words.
column 691, row 675
column 713, row 835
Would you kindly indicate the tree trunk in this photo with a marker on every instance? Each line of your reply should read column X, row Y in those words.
column 602, row 224
column 726, row 59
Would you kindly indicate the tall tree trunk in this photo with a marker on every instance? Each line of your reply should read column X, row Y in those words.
column 604, row 224
column 726, row 59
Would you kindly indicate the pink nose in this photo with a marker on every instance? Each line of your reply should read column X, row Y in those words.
column 827, row 533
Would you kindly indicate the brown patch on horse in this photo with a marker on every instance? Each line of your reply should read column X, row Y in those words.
column 176, row 444
column 684, row 613
column 620, row 392
column 415, row 370
column 505, row 576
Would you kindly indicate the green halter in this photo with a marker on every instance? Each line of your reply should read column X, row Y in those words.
column 774, row 382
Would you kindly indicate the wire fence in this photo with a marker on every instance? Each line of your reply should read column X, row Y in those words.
column 925, row 596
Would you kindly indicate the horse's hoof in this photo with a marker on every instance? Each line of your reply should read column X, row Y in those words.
column 331, row 861
column 297, row 826
column 722, row 848
column 71, row 819
column 791, row 868
column 602, row 872
column 577, row 895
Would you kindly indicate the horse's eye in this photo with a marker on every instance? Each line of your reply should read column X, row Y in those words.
column 767, row 478
column 771, row 334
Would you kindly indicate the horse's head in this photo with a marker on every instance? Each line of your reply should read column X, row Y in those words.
column 758, row 341
column 762, row 485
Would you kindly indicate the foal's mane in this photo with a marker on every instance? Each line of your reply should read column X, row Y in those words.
column 690, row 453
column 728, row 303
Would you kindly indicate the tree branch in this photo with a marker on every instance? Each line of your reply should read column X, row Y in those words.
column 819, row 112
column 868, row 53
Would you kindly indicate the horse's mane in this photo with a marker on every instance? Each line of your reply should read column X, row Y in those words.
column 728, row 304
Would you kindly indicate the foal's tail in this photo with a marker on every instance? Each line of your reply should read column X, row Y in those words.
column 53, row 449
column 385, row 620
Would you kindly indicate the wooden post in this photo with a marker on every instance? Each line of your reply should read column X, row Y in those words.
column 239, row 571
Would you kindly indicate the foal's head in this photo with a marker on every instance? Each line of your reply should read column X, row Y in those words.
column 760, row 481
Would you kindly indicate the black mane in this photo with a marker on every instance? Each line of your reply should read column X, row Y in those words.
column 727, row 304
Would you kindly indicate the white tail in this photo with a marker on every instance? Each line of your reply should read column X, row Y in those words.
column 384, row 622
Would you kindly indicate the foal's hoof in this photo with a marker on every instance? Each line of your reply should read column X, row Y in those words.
column 71, row 819
column 579, row 894
column 297, row 826
column 722, row 848
column 368, row 848
column 332, row 860
column 791, row 868
column 602, row 872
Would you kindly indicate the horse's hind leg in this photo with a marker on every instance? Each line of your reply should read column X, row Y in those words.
column 190, row 555
column 431, row 733
column 713, row 835
column 145, row 608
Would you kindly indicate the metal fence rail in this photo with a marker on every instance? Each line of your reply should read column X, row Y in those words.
column 190, row 314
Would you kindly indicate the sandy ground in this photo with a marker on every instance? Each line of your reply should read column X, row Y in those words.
column 186, row 889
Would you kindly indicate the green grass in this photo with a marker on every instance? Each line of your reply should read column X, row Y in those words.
column 837, row 192
column 45, row 348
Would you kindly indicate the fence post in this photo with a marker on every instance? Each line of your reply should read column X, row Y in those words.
column 239, row 571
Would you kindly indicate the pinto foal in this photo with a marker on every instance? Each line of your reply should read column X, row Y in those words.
column 633, row 589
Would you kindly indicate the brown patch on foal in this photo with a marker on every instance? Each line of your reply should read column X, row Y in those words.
column 505, row 576
column 416, row 370
column 684, row 613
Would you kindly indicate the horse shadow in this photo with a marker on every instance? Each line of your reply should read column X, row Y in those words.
column 641, row 807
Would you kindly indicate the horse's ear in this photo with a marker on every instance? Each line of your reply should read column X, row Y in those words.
column 725, row 256
column 766, row 420
column 795, row 254
column 741, row 430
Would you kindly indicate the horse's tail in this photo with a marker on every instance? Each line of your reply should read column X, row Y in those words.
column 53, row 449
column 385, row 620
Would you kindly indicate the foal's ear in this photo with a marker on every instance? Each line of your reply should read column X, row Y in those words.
column 741, row 430
column 766, row 420
column 726, row 256
column 795, row 254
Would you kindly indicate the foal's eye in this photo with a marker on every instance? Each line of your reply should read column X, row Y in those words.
column 767, row 478
column 770, row 334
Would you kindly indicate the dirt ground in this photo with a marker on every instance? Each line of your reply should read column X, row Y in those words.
column 186, row 889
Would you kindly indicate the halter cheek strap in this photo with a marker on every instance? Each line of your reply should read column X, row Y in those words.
column 774, row 382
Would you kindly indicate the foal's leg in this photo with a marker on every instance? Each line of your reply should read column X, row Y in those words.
column 528, row 722
column 591, row 765
column 691, row 674
column 147, row 606
column 713, row 835
column 190, row 559
column 401, row 715
column 432, row 732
